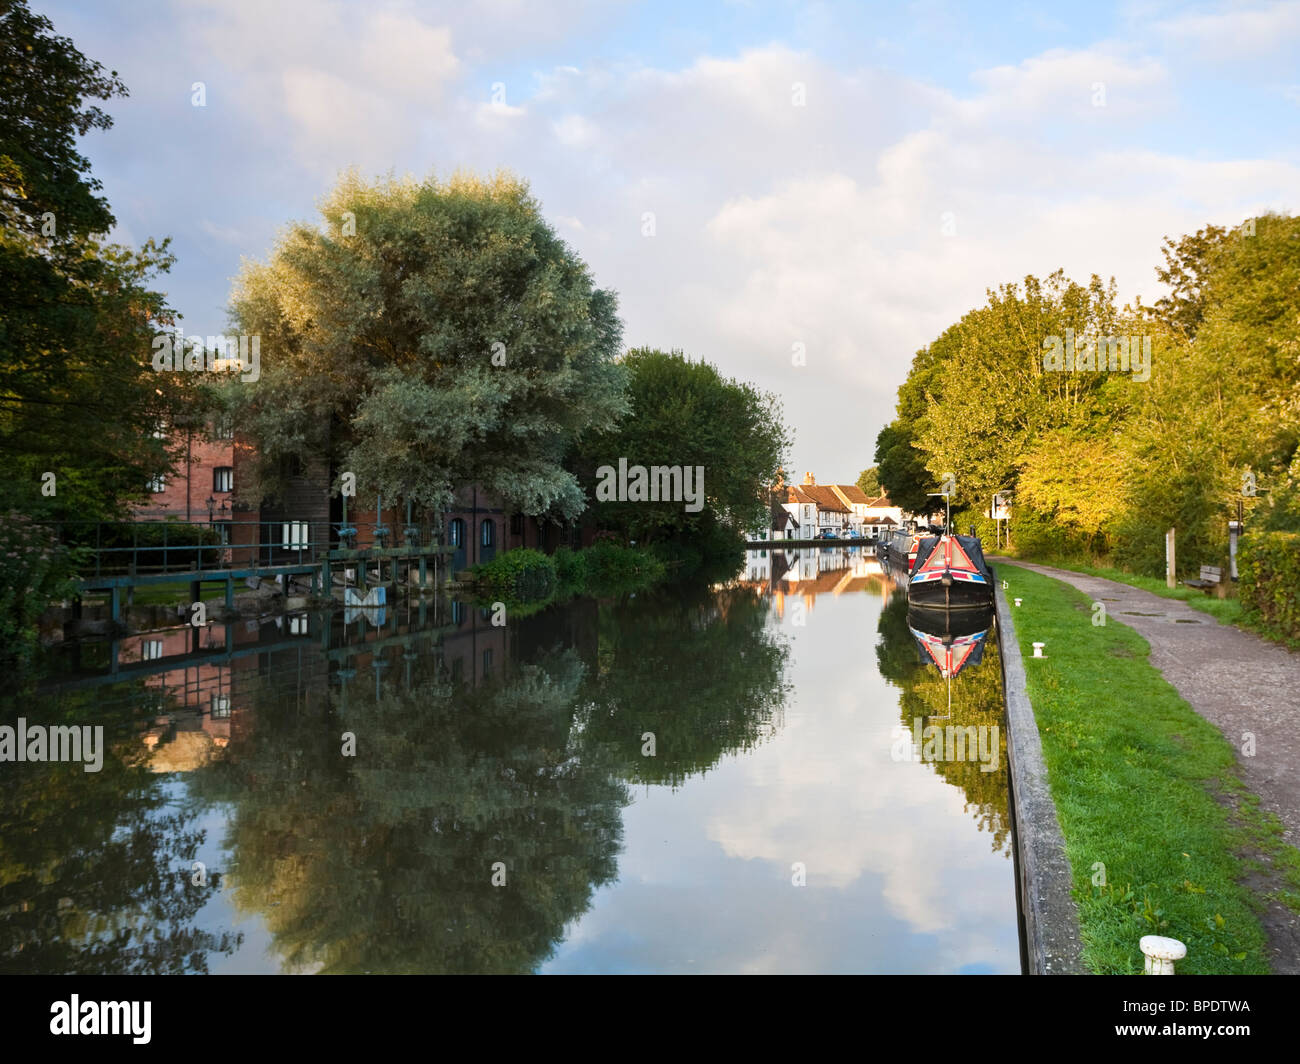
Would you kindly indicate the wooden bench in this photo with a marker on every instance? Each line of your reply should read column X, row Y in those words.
column 1211, row 577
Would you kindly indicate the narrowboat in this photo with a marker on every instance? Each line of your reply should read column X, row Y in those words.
column 950, row 572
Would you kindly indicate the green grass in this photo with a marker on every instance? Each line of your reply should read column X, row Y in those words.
column 1225, row 610
column 1143, row 786
column 171, row 594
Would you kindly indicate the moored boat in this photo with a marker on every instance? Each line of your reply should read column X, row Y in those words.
column 950, row 572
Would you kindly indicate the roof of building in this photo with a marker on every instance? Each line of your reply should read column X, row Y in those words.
column 853, row 493
column 825, row 498
column 795, row 494
column 880, row 501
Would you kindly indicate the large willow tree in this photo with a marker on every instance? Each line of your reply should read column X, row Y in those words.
column 429, row 334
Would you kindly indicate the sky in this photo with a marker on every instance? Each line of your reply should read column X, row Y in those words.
column 830, row 185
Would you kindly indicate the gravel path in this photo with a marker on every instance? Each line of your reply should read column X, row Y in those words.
column 1235, row 680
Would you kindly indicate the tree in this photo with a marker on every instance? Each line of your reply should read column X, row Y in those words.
column 869, row 481
column 685, row 413
column 1186, row 269
column 433, row 334
column 78, row 395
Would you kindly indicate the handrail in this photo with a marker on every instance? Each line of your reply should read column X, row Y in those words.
column 116, row 548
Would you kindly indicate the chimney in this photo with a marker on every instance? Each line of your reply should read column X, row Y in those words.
column 808, row 478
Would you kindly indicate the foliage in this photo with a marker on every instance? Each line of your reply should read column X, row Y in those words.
column 451, row 339
column 34, row 571
column 685, row 413
column 611, row 568
column 1269, row 564
column 869, row 481
column 1099, row 462
column 78, row 395
column 523, row 574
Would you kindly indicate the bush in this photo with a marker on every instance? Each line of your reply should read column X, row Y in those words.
column 149, row 539
column 1269, row 564
column 34, row 571
column 570, row 567
column 518, row 575
column 611, row 568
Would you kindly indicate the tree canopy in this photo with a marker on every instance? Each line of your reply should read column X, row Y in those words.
column 431, row 334
column 79, row 398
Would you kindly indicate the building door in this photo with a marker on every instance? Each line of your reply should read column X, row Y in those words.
column 456, row 538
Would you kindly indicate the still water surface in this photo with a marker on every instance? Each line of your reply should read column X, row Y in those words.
column 711, row 780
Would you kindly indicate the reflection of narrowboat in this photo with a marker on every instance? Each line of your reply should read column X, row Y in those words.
column 950, row 640
column 950, row 572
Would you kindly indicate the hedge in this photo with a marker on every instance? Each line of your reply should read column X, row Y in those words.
column 1269, row 564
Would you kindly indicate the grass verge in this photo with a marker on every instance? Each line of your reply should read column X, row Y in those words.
column 1225, row 610
column 1157, row 825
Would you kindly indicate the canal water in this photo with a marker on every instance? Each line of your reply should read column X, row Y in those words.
column 748, row 777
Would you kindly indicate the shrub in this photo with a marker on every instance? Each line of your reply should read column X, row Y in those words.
column 1269, row 564
column 611, row 568
column 34, row 571
column 518, row 575
column 570, row 567
column 149, row 540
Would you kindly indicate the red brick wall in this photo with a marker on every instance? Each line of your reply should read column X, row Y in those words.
column 186, row 497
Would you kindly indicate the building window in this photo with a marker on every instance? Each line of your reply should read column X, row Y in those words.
column 223, row 428
column 158, row 484
column 517, row 524
column 456, row 533
column 457, row 614
column 223, row 478
column 295, row 535
column 223, row 531
column 487, row 662
column 151, row 650
column 457, row 670
column 220, row 707
column 298, row 624
column 489, row 532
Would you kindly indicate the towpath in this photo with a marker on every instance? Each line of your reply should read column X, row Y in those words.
column 1237, row 681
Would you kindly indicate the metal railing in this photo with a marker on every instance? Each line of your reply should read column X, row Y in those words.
column 130, row 548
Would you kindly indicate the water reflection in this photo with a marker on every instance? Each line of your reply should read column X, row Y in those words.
column 603, row 786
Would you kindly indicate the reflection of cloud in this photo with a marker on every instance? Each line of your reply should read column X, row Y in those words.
column 899, row 877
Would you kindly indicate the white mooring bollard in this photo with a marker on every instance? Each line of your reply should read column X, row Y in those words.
column 1017, row 602
column 1038, row 649
column 1161, row 953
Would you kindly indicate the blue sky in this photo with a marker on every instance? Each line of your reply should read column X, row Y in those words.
column 940, row 149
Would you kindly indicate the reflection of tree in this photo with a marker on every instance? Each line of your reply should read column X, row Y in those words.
column 95, row 867
column 976, row 701
column 382, row 862
column 700, row 669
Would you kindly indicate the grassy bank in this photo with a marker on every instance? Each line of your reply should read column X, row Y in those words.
column 1151, row 808
column 1225, row 610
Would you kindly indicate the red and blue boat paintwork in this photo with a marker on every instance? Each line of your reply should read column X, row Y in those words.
column 950, row 572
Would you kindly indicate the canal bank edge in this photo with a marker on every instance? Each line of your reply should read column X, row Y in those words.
column 1052, row 942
